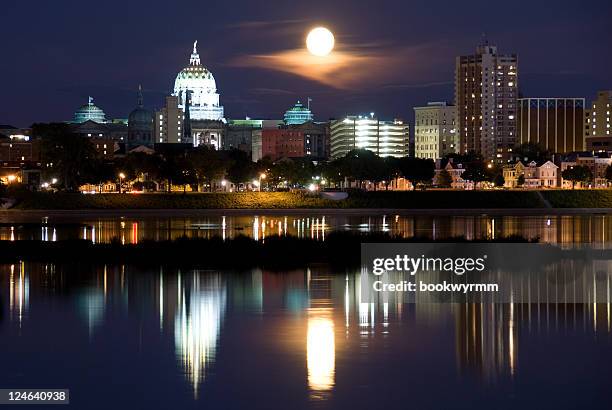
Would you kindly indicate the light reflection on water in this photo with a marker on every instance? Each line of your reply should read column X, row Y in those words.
column 562, row 229
column 201, row 306
column 340, row 336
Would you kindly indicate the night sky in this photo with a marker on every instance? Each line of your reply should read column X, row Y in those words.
column 399, row 54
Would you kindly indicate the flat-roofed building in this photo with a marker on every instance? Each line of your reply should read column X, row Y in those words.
column 384, row 138
column 435, row 133
column 486, row 90
column 598, row 124
column 169, row 122
column 556, row 124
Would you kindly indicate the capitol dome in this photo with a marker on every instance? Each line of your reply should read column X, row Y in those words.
column 140, row 124
column 89, row 112
column 197, row 81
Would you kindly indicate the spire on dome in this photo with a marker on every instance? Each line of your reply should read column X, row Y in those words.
column 195, row 57
column 140, row 99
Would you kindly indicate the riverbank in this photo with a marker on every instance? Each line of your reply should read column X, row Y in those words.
column 388, row 201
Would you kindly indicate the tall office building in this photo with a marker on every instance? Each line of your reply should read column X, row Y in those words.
column 435, row 133
column 384, row 138
column 486, row 85
column 554, row 123
column 169, row 122
column 598, row 127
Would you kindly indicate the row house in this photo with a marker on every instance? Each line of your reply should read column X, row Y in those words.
column 455, row 171
column 597, row 165
column 544, row 175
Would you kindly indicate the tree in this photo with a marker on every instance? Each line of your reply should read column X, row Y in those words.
column 390, row 170
column 577, row 173
column 520, row 181
column 175, row 169
column 140, row 165
column 531, row 151
column 417, row 170
column 609, row 174
column 466, row 158
column 476, row 172
column 499, row 180
column 66, row 155
column 333, row 171
column 241, row 169
column 207, row 165
column 445, row 180
column 361, row 165
column 100, row 172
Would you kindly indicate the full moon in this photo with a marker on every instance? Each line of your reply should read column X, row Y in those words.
column 320, row 41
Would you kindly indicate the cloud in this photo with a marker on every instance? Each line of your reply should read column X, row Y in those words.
column 270, row 91
column 357, row 67
column 258, row 24
column 420, row 85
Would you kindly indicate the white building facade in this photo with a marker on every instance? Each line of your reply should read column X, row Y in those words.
column 197, row 81
column 435, row 133
column 384, row 138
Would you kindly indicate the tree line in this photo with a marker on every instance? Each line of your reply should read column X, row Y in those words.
column 74, row 161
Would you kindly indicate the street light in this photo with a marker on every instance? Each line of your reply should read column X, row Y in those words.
column 121, row 178
column 261, row 176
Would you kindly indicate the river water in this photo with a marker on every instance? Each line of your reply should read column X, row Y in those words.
column 127, row 228
column 156, row 338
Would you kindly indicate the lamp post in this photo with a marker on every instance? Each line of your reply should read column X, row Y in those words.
column 261, row 176
column 121, row 178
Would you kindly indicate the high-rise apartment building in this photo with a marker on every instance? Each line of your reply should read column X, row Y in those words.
column 384, row 138
column 554, row 123
column 169, row 122
column 435, row 133
column 598, row 124
column 486, row 85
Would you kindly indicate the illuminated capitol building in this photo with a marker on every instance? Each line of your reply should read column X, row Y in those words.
column 192, row 114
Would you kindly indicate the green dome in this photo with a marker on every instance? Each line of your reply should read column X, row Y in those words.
column 89, row 112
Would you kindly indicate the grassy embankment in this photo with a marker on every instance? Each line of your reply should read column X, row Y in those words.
column 434, row 199
column 580, row 198
column 283, row 200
